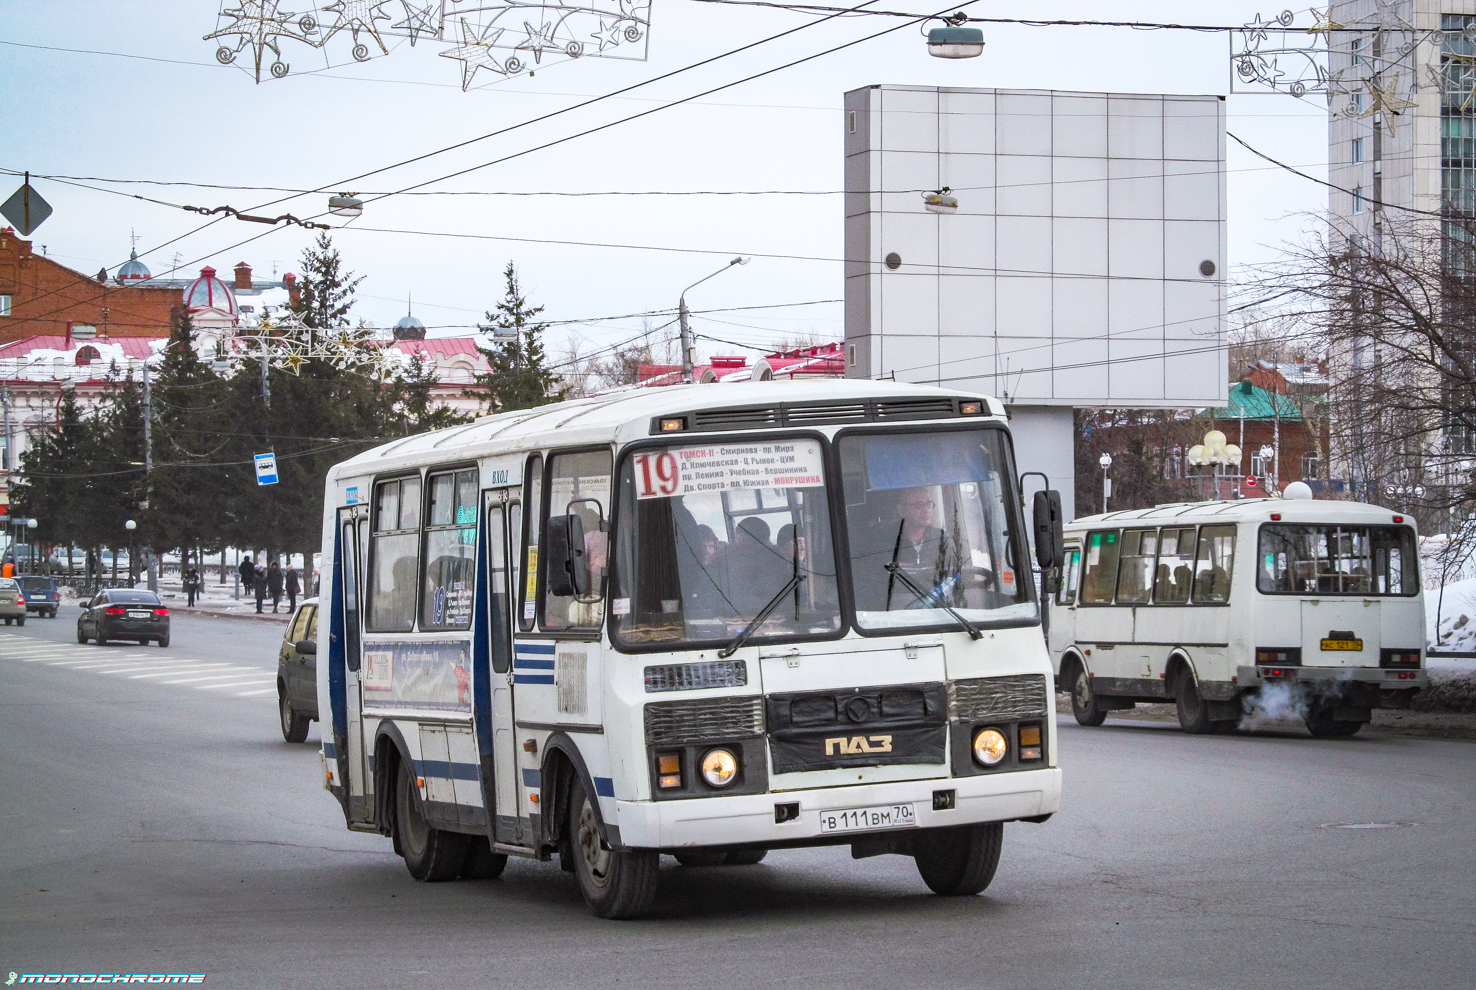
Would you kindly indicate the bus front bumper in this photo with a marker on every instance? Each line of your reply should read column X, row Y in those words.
column 1382, row 677
column 752, row 818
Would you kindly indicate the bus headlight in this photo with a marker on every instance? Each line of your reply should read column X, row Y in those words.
column 719, row 767
column 990, row 747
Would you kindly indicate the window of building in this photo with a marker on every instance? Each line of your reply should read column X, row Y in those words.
column 87, row 355
column 1357, row 150
column 1311, row 465
column 1100, row 578
column 1356, row 47
column 1214, row 564
column 1358, row 102
column 4, row 305
column 394, row 558
column 579, row 484
column 1135, row 570
column 1258, row 466
column 1357, row 199
column 450, row 550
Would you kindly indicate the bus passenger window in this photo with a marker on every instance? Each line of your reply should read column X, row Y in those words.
column 394, row 556
column 1214, row 564
column 1135, row 572
column 1175, row 566
column 1069, row 578
column 580, row 483
column 1100, row 577
column 529, row 587
column 450, row 551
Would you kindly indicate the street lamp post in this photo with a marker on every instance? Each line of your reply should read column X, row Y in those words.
column 682, row 316
column 1268, row 461
column 1106, row 461
column 130, row 525
column 35, row 550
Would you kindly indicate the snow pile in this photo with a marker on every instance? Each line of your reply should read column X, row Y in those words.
column 1457, row 611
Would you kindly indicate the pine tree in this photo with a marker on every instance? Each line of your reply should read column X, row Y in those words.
column 327, row 290
column 518, row 375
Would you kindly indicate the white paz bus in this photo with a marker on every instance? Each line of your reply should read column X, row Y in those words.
column 701, row 621
column 1221, row 607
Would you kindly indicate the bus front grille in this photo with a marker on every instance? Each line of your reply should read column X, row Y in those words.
column 1005, row 698
column 710, row 720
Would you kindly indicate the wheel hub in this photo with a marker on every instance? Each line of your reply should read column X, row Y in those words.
column 1083, row 690
column 596, row 856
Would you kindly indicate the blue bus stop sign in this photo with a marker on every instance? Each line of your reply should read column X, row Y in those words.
column 266, row 469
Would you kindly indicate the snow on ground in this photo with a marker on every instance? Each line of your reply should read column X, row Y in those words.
column 1457, row 612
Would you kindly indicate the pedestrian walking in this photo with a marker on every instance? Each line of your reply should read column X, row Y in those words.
column 259, row 585
column 247, row 570
column 291, row 584
column 191, row 582
column 274, row 584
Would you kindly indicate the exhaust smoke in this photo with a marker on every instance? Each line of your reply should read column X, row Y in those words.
column 1275, row 702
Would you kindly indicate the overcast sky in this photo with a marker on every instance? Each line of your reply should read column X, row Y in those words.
column 70, row 113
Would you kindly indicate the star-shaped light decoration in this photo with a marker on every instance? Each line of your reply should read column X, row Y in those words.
column 1386, row 100
column 539, row 38
column 1255, row 32
column 1324, row 24
column 293, row 362
column 356, row 16
column 421, row 21
column 475, row 52
column 257, row 23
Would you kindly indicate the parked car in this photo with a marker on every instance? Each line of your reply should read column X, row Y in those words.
column 42, row 596
column 297, row 673
column 122, row 613
column 12, row 602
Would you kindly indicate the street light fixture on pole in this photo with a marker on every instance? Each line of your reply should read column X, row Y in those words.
column 1106, row 461
column 682, row 315
column 130, row 525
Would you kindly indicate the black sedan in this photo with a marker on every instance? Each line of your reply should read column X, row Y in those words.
column 122, row 613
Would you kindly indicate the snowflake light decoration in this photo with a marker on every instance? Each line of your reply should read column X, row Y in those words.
column 505, row 37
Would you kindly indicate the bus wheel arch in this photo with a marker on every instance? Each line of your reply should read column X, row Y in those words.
column 1179, row 666
column 389, row 752
column 562, row 763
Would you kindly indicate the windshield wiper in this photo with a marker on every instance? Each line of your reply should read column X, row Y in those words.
column 897, row 572
column 758, row 620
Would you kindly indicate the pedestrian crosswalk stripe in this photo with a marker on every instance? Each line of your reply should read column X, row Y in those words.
column 188, row 666
column 194, row 680
column 253, row 694
column 234, row 684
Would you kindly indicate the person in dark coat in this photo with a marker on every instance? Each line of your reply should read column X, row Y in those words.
column 191, row 582
column 247, row 570
column 274, row 584
column 292, row 586
column 259, row 585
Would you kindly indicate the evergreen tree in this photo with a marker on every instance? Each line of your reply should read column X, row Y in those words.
column 519, row 376
column 327, row 289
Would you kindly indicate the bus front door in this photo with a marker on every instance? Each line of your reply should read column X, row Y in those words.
column 353, row 523
column 492, row 679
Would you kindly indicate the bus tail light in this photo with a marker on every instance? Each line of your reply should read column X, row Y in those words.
column 668, row 770
column 1278, row 656
column 1030, row 742
column 1399, row 658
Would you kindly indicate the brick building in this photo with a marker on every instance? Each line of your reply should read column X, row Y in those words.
column 40, row 297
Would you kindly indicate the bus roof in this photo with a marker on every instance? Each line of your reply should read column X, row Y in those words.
column 1248, row 510
column 628, row 416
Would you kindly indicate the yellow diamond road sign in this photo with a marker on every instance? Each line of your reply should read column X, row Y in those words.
column 26, row 209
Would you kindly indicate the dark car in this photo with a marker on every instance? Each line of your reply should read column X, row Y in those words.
column 41, row 594
column 122, row 613
column 297, row 673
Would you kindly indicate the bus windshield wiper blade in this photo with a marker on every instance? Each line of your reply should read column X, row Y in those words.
column 758, row 620
column 922, row 595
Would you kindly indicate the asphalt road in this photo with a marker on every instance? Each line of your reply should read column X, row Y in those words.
column 159, row 824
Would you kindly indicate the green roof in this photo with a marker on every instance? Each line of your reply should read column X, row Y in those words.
column 1260, row 405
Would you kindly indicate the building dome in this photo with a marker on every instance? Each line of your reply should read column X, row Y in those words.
column 409, row 328
column 133, row 270
column 209, row 292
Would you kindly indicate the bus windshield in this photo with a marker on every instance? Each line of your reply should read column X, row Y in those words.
column 930, row 525
column 711, row 536
column 1337, row 560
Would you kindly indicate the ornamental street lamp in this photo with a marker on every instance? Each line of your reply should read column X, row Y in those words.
column 1106, row 461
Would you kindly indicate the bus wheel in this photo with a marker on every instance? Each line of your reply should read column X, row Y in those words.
column 958, row 861
column 615, row 883
column 481, row 863
column 1193, row 712
column 430, row 853
column 1083, row 699
column 1322, row 725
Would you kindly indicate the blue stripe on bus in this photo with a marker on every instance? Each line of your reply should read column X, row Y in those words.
column 532, row 778
column 533, row 678
column 329, row 751
column 547, row 648
column 444, row 769
column 604, row 787
column 523, row 663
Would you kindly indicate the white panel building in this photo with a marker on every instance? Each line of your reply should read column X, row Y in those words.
column 1082, row 267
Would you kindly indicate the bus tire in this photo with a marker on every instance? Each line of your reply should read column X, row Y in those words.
column 294, row 726
column 431, row 854
column 615, row 883
column 958, row 861
column 1193, row 712
column 1321, row 724
column 1084, row 703
column 745, row 857
column 481, row 863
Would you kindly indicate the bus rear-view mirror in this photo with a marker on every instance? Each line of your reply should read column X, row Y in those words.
column 1050, row 541
column 568, row 567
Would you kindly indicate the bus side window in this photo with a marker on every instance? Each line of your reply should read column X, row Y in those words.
column 534, row 501
column 1100, row 577
column 580, row 483
column 1135, row 570
column 1069, row 580
column 1175, row 567
column 1214, row 564
column 394, row 557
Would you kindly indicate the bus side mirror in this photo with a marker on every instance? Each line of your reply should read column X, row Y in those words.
column 1050, row 540
column 565, row 538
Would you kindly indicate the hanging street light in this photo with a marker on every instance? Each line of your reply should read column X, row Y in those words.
column 940, row 201
column 345, row 205
column 955, row 40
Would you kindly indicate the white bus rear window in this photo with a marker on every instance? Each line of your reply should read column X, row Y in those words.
column 1337, row 560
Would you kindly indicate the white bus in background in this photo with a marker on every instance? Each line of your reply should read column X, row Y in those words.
column 707, row 622
column 1222, row 607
